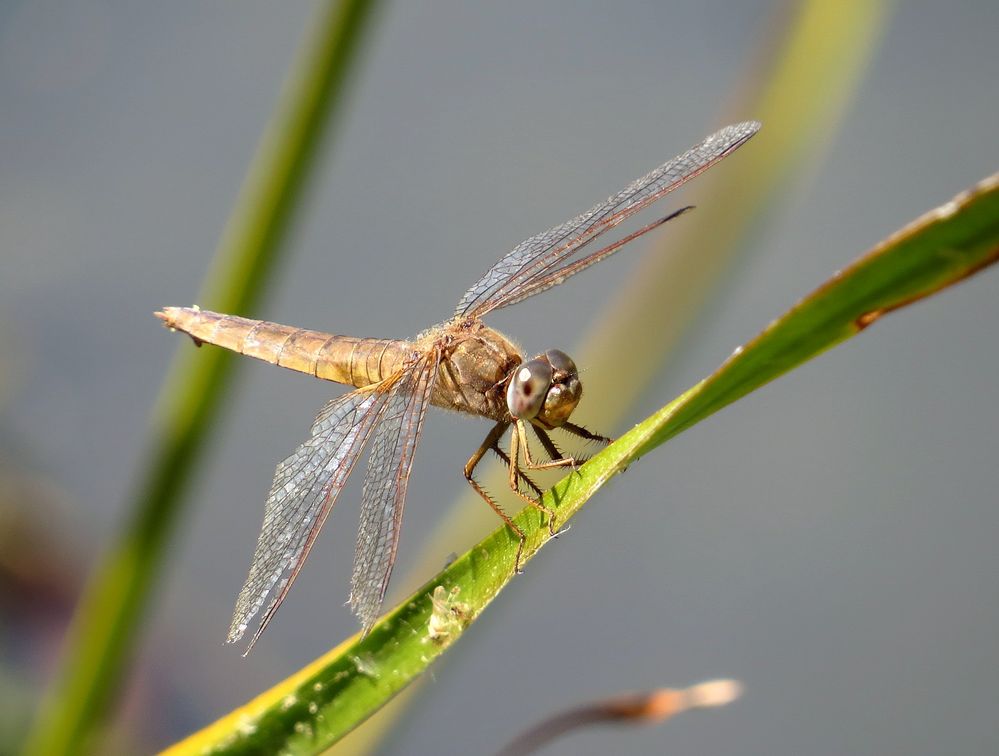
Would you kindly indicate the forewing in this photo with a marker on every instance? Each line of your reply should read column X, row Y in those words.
column 385, row 483
column 554, row 275
column 302, row 495
column 541, row 256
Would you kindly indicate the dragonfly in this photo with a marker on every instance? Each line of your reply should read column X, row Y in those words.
column 461, row 365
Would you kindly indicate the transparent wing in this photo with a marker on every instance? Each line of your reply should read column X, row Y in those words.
column 553, row 276
column 302, row 495
column 385, row 484
column 542, row 257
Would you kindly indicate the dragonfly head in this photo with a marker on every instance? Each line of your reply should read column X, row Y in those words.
column 544, row 390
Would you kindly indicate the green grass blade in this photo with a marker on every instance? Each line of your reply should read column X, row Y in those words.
column 315, row 707
column 104, row 628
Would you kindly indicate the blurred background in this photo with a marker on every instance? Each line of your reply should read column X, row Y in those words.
column 829, row 540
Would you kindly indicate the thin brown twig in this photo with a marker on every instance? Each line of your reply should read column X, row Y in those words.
column 648, row 707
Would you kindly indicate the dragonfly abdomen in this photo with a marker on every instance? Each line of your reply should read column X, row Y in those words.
column 343, row 359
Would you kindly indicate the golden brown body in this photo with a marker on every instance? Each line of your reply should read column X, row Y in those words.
column 474, row 367
column 461, row 365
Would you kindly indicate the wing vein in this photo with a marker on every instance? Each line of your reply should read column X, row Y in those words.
column 534, row 258
column 385, row 483
column 303, row 492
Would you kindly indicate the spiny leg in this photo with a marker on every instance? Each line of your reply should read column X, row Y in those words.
column 492, row 440
column 579, row 430
column 523, row 476
column 576, row 430
column 556, row 454
column 518, row 438
column 558, row 460
column 546, row 441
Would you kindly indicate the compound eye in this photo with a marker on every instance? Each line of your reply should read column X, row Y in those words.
column 528, row 387
column 561, row 362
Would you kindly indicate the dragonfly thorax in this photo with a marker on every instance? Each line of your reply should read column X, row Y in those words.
column 544, row 390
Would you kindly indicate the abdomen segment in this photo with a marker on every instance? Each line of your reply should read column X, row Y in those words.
column 343, row 359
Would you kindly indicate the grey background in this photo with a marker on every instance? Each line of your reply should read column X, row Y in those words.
column 830, row 540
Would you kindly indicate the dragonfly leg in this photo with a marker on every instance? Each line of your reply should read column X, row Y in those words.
column 523, row 476
column 579, row 430
column 492, row 440
column 546, row 441
column 517, row 439
column 553, row 451
column 558, row 460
